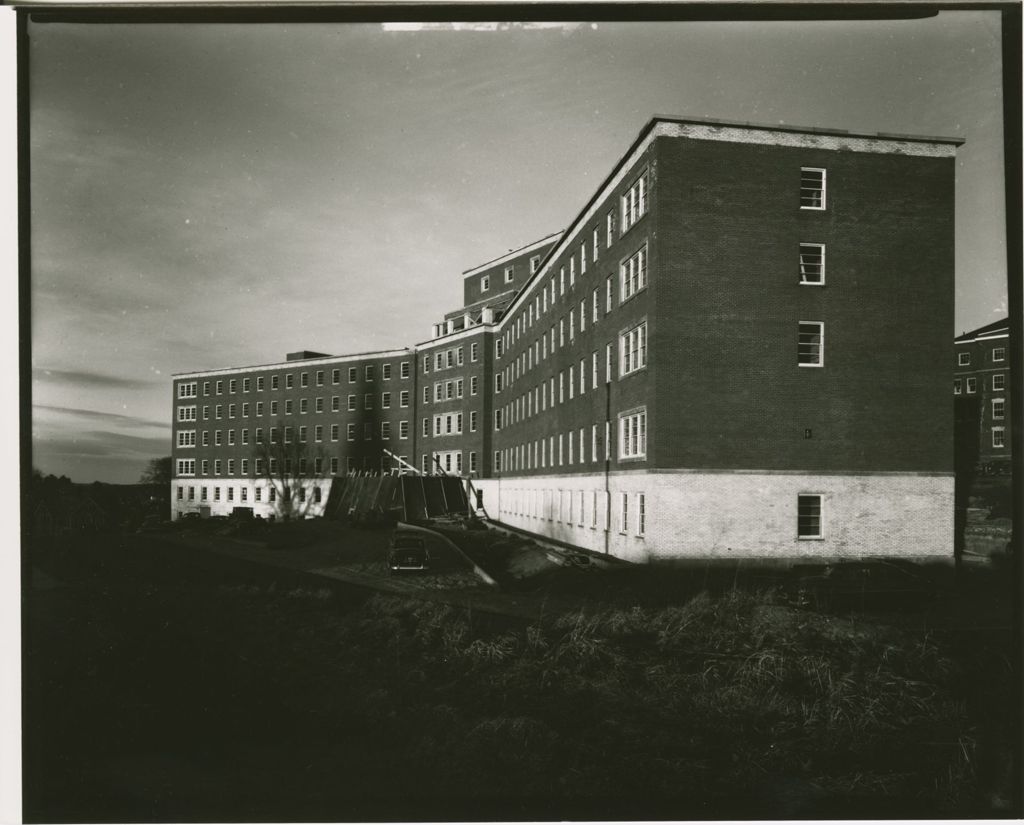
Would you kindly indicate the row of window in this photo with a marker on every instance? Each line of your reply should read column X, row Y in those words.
column 632, row 280
column 189, row 389
column 189, row 413
column 243, row 493
column 998, row 354
column 188, row 466
column 449, row 424
column 450, row 390
column 509, row 273
column 561, row 450
column 187, row 438
column 971, row 384
column 448, row 460
column 580, row 508
column 451, row 357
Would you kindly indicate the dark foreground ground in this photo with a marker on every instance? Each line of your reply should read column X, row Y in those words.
column 166, row 683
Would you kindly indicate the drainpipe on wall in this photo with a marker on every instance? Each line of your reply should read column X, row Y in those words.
column 607, row 464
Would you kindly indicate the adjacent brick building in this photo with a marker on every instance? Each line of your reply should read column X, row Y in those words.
column 737, row 347
column 981, row 390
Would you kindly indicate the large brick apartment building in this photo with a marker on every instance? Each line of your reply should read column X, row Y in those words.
column 737, row 347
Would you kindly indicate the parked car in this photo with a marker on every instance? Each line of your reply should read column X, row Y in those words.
column 407, row 552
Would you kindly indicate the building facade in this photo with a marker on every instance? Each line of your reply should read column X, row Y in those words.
column 692, row 367
column 981, row 391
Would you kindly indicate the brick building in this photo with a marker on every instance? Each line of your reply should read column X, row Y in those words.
column 695, row 365
column 981, row 389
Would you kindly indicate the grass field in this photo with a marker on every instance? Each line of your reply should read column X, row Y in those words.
column 169, row 688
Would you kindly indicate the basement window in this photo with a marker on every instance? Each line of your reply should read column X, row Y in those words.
column 808, row 519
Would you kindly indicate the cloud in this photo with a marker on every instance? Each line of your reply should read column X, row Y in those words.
column 91, row 379
column 96, row 415
column 101, row 444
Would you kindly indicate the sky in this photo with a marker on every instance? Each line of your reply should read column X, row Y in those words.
column 208, row 196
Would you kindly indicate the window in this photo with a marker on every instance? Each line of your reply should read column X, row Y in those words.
column 231, row 466
column 275, row 381
column 403, row 429
column 641, row 514
column 633, row 434
column 472, row 421
column 259, row 383
column 334, row 466
column 368, row 372
column 472, row 385
column 633, row 349
column 303, row 405
column 998, row 409
column 245, row 410
column 808, row 516
column 304, row 379
column 319, row 404
column 485, row 283
column 288, row 406
column 385, row 372
column 403, row 398
column 351, row 403
column 189, row 413
column 206, row 388
column 963, row 359
column 303, row 434
column 509, row 274
column 351, row 432
column 186, row 438
column 633, row 273
column 335, row 376
column 403, row 369
column 231, row 437
column 217, row 438
column 634, row 201
column 216, row 466
column 259, row 408
column 319, row 378
column 998, row 437
column 186, row 467
column 812, row 264
column 220, row 387
column 385, row 400
column 334, row 432
column 811, row 344
column 812, row 188
column 972, row 386
column 385, row 430
column 289, row 381
column 609, row 227
column 187, row 391
column 352, row 374
column 999, row 382
column 623, row 513
column 999, row 354
column 368, row 401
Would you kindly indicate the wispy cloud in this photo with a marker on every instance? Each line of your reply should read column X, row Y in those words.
column 91, row 379
column 96, row 415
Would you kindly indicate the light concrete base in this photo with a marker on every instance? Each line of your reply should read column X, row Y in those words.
column 729, row 515
column 218, row 503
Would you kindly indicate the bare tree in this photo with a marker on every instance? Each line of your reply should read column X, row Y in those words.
column 291, row 467
column 157, row 472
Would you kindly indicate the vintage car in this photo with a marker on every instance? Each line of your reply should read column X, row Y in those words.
column 408, row 551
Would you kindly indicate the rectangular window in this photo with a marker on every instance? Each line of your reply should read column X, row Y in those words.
column 485, row 283
column 633, row 273
column 633, row 350
column 334, row 466
column 403, row 369
column 289, row 381
column 334, row 432
column 385, row 430
column 634, row 201
column 998, row 409
column 812, row 188
column 403, row 398
column 610, row 227
column 319, row 378
column 472, row 385
column 972, row 386
column 288, row 406
column 259, row 408
column 623, row 513
column 999, row 382
column 808, row 517
column 259, row 383
column 998, row 437
column 368, row 372
column 385, row 372
column 957, row 386
column 245, row 410
column 510, row 274
column 472, row 421
column 609, row 293
column 353, row 374
column 275, row 382
column 303, row 405
column 403, row 429
column 220, row 387
column 351, row 432
column 368, row 401
column 633, row 434
column 231, row 437
column 999, row 354
column 318, row 432
column 304, row 379
column 812, row 264
column 641, row 514
column 335, row 376
column 811, row 344
column 385, row 401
